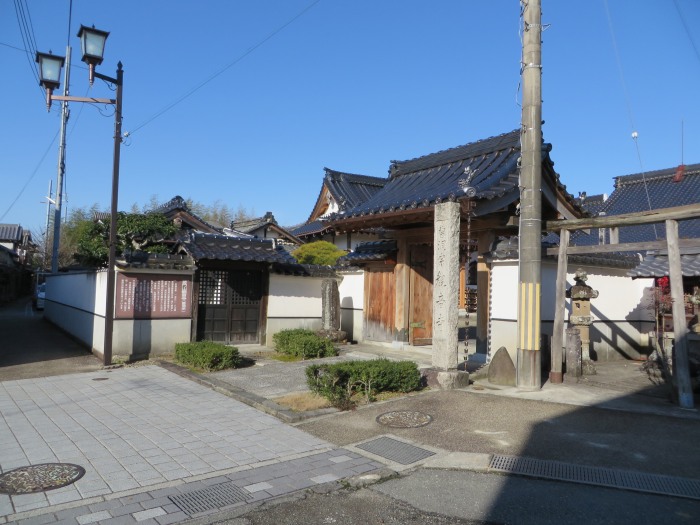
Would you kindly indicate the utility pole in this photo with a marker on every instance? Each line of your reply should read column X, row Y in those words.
column 65, row 113
column 529, row 316
column 49, row 202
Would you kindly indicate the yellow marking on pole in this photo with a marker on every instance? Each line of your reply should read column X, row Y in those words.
column 522, row 315
column 537, row 320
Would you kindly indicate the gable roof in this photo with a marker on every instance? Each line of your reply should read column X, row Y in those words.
column 490, row 166
column 345, row 191
column 177, row 208
column 265, row 223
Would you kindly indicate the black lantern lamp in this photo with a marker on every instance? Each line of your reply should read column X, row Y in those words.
column 92, row 42
column 49, row 73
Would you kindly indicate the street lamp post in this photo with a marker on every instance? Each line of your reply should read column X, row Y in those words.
column 92, row 43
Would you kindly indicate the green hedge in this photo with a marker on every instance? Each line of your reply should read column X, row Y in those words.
column 303, row 343
column 338, row 382
column 208, row 355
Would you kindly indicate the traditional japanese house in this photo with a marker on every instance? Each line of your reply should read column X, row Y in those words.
column 483, row 177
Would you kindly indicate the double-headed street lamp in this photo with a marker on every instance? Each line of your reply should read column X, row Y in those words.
column 92, row 43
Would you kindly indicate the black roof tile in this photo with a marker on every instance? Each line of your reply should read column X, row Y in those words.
column 490, row 166
column 643, row 191
column 207, row 246
column 655, row 264
column 369, row 251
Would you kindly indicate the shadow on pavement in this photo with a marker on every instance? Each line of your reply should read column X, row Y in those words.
column 33, row 347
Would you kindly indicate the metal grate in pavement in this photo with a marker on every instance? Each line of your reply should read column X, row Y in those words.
column 605, row 477
column 210, row 498
column 395, row 450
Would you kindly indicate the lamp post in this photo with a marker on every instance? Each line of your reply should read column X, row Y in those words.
column 92, row 43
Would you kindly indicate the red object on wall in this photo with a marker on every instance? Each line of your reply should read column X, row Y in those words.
column 147, row 296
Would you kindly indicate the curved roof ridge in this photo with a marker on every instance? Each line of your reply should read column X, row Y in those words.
column 472, row 149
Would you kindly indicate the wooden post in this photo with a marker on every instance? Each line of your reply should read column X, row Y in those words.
column 681, row 369
column 402, row 274
column 556, row 372
column 483, row 292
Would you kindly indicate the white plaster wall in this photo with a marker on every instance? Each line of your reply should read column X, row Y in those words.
column 75, row 302
column 294, row 296
column 141, row 337
column 352, row 293
column 621, row 313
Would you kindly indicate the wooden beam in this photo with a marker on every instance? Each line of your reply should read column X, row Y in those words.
column 681, row 369
column 625, row 247
column 690, row 211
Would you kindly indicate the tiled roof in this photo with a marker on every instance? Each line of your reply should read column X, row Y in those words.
column 507, row 248
column 311, row 228
column 651, row 190
column 208, row 246
column 369, row 251
column 592, row 203
column 11, row 232
column 655, row 264
column 250, row 225
column 350, row 190
column 490, row 166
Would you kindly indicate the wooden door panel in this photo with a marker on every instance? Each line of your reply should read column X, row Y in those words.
column 379, row 304
column 421, row 295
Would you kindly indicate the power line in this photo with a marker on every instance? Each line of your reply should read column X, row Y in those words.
column 41, row 161
column 224, row 69
column 687, row 31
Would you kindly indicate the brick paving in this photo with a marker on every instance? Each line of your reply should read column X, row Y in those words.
column 143, row 435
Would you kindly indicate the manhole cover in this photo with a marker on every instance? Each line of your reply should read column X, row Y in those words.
column 38, row 478
column 404, row 419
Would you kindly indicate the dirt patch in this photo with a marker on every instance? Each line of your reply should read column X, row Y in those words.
column 302, row 401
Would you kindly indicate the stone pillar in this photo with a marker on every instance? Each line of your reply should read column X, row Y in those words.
column 446, row 286
column 330, row 305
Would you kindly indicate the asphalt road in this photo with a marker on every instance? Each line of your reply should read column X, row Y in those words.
column 32, row 347
column 436, row 497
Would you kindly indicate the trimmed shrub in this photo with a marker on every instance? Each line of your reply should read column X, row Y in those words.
column 338, row 382
column 303, row 343
column 207, row 355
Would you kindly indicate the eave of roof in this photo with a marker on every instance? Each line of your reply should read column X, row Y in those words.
column 204, row 246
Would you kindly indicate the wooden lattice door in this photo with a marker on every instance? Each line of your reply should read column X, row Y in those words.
column 229, row 306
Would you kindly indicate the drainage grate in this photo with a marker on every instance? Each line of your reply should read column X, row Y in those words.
column 210, row 498
column 605, row 477
column 395, row 450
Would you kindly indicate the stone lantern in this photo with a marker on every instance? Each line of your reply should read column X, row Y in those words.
column 581, row 294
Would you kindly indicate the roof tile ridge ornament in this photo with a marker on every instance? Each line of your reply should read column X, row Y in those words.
column 465, row 183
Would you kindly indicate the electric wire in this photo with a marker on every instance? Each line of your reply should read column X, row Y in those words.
column 224, row 69
column 635, row 135
column 36, row 169
column 28, row 40
column 687, row 31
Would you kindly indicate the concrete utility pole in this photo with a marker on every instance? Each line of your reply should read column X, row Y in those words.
column 65, row 113
column 529, row 318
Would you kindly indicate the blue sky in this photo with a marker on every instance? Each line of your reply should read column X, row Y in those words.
column 349, row 85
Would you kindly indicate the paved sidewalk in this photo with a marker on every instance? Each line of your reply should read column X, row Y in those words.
column 144, row 434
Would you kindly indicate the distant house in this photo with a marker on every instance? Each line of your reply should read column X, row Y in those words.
column 339, row 192
column 265, row 227
column 16, row 249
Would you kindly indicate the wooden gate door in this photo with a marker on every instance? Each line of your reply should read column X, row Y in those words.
column 379, row 304
column 229, row 306
column 421, row 295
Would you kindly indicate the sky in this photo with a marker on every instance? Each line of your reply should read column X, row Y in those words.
column 244, row 102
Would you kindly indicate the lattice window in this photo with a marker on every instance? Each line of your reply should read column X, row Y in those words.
column 212, row 287
column 246, row 288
